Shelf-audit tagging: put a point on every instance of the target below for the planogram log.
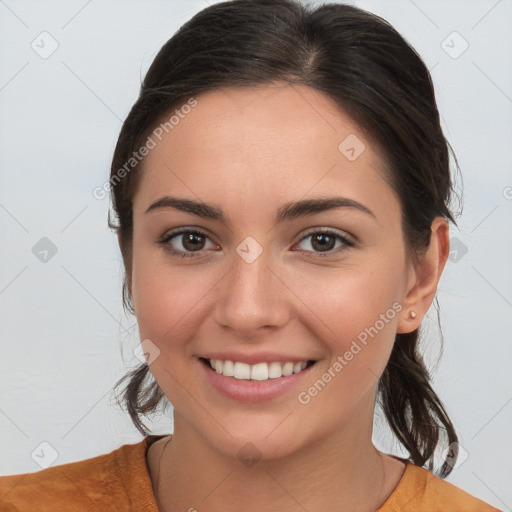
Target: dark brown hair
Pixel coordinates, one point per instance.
(361, 62)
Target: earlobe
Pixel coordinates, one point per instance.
(424, 277)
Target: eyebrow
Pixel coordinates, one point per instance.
(287, 212)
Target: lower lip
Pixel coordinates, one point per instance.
(252, 390)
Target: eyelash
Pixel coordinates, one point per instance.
(164, 241)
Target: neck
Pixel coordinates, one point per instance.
(345, 465)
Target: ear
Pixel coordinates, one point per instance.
(423, 277)
(127, 265)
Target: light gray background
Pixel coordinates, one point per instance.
(64, 337)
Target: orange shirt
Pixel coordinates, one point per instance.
(120, 481)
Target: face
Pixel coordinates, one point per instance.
(254, 280)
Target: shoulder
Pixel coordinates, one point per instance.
(118, 480)
(420, 490)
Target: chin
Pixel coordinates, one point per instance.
(251, 440)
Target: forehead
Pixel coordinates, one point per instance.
(262, 142)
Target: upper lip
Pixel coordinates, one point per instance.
(254, 358)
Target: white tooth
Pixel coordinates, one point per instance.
(241, 371)
(259, 371)
(287, 369)
(274, 370)
(227, 371)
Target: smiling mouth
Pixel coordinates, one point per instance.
(259, 371)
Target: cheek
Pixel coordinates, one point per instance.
(358, 326)
(165, 298)
(348, 300)
(355, 314)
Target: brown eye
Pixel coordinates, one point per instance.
(324, 243)
(186, 242)
(193, 241)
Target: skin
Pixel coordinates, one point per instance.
(248, 151)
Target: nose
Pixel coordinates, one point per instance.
(252, 299)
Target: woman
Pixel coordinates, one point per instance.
(281, 189)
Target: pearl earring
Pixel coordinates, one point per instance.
(412, 314)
